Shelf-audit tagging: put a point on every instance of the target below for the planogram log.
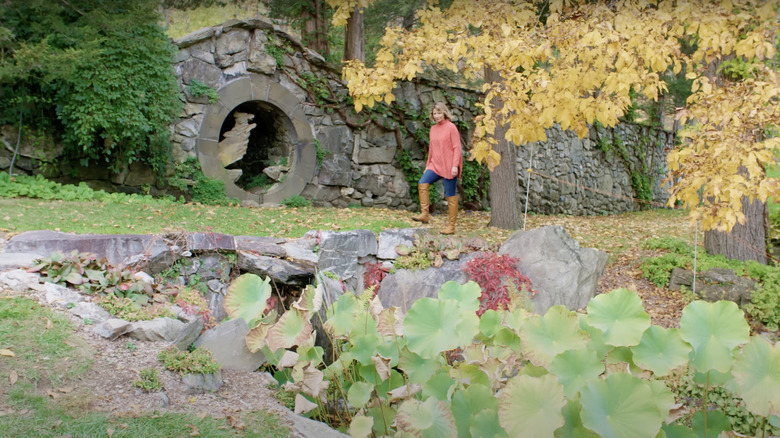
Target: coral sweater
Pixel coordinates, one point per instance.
(444, 150)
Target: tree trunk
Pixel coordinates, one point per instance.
(353, 37)
(744, 242)
(505, 211)
(315, 27)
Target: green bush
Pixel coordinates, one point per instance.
(149, 380)
(198, 89)
(197, 361)
(296, 202)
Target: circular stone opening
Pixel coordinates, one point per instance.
(255, 146)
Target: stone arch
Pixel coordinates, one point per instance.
(267, 99)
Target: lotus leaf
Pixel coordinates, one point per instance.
(545, 337)
(247, 297)
(531, 406)
(620, 315)
(661, 350)
(714, 330)
(757, 374)
(575, 368)
(433, 326)
(622, 406)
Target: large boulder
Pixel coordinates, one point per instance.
(560, 271)
(227, 345)
(402, 288)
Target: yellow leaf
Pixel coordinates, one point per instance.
(7, 353)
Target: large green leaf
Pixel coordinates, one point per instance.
(757, 374)
(429, 419)
(342, 315)
(573, 427)
(575, 368)
(247, 297)
(359, 394)
(467, 295)
(545, 337)
(485, 425)
(468, 402)
(620, 315)
(622, 406)
(531, 406)
(661, 350)
(293, 328)
(490, 322)
(439, 386)
(361, 426)
(432, 326)
(364, 347)
(715, 423)
(714, 330)
(417, 368)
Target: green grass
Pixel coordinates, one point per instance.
(146, 217)
(47, 354)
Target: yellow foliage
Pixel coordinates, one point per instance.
(580, 66)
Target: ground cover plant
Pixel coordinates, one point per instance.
(40, 395)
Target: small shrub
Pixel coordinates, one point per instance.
(296, 201)
(489, 271)
(197, 361)
(198, 89)
(148, 380)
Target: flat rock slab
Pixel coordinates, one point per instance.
(115, 248)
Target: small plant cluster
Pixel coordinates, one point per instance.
(197, 361)
(193, 303)
(764, 307)
(296, 201)
(93, 276)
(373, 275)
(198, 88)
(148, 380)
(427, 251)
(190, 179)
(491, 272)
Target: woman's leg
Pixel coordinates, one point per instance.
(451, 193)
(429, 177)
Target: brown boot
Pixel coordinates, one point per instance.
(452, 214)
(423, 217)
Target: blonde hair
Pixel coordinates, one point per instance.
(443, 107)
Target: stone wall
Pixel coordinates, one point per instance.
(313, 144)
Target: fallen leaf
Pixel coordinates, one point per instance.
(13, 377)
(6, 352)
(49, 324)
(110, 432)
(66, 389)
(52, 394)
(195, 431)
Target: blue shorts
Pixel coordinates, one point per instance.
(450, 185)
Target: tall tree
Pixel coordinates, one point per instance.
(349, 13)
(309, 17)
(99, 72)
(574, 64)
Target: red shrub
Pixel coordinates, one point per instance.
(489, 271)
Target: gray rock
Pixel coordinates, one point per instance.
(306, 427)
(61, 296)
(267, 246)
(280, 271)
(18, 280)
(158, 329)
(227, 345)
(402, 288)
(560, 271)
(199, 242)
(340, 250)
(715, 284)
(189, 333)
(302, 251)
(389, 239)
(200, 383)
(112, 328)
(14, 260)
(90, 312)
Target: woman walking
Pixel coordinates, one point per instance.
(445, 160)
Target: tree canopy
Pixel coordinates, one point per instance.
(98, 71)
(574, 65)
